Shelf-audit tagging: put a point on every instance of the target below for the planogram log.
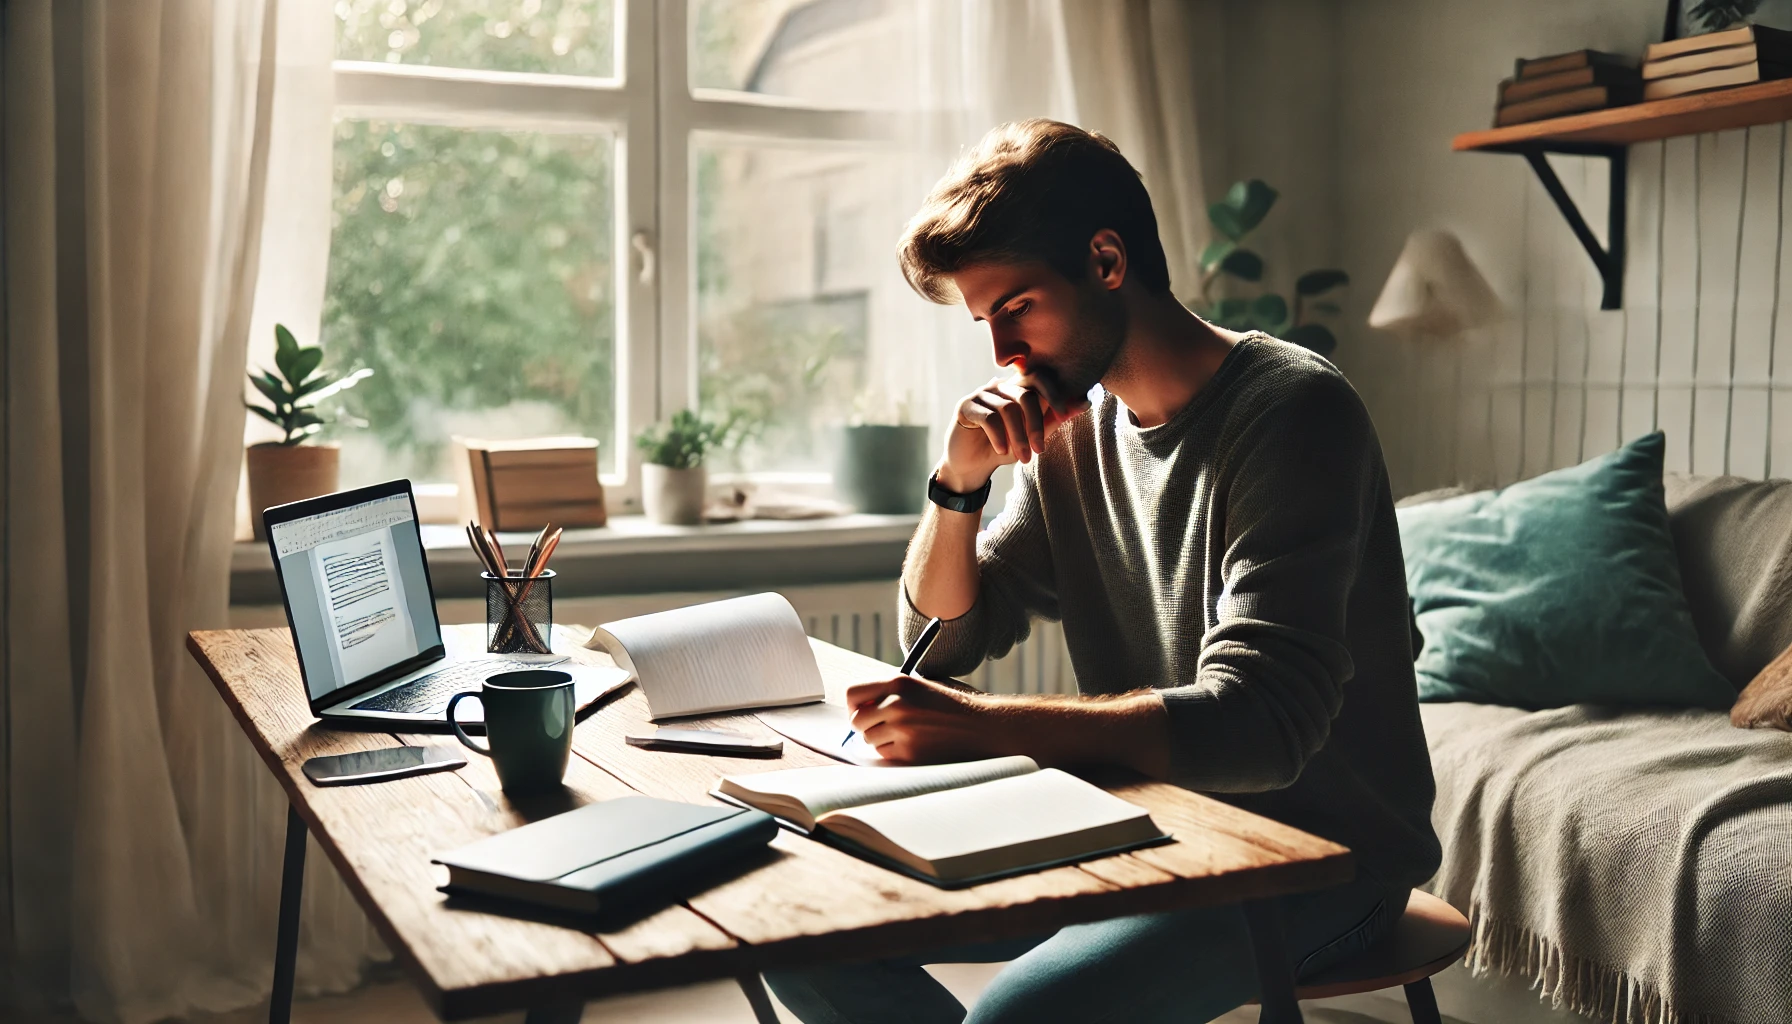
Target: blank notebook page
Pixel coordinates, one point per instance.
(1003, 813)
(748, 652)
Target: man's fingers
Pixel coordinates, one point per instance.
(979, 410)
(861, 695)
(1014, 423)
(1035, 419)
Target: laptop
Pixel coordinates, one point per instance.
(363, 615)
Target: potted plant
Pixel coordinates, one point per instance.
(882, 463)
(1233, 218)
(291, 469)
(673, 475)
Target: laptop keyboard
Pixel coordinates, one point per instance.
(428, 694)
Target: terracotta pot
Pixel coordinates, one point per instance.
(673, 496)
(284, 473)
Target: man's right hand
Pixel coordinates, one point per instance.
(1002, 422)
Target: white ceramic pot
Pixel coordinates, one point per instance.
(673, 496)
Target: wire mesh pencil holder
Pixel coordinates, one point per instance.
(519, 613)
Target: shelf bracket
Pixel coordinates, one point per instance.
(1608, 259)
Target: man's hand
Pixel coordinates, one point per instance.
(1004, 421)
(919, 721)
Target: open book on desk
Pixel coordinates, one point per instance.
(952, 824)
(747, 652)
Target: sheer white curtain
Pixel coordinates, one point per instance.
(142, 837)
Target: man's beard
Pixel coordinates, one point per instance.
(1093, 346)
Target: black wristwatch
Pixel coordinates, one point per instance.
(954, 501)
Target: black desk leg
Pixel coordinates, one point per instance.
(758, 998)
(286, 941)
(1275, 973)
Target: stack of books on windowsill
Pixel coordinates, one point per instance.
(1716, 60)
(1566, 83)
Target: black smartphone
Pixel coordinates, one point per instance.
(707, 741)
(380, 765)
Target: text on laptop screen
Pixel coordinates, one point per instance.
(359, 594)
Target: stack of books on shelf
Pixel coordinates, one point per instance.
(1566, 83)
(1716, 60)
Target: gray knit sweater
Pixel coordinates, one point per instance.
(1243, 560)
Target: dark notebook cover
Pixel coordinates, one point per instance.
(626, 852)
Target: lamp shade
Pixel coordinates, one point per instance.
(1435, 289)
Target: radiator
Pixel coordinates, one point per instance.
(857, 616)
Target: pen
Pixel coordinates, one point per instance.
(929, 633)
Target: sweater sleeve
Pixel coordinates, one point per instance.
(1299, 494)
(1015, 582)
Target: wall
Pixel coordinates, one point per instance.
(1702, 347)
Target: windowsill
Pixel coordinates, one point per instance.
(635, 556)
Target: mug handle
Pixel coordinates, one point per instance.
(461, 734)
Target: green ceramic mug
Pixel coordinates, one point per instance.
(528, 727)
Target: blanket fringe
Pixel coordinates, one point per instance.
(1594, 990)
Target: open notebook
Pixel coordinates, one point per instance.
(747, 652)
(953, 824)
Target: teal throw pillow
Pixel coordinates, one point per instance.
(1562, 589)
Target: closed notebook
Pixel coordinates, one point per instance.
(628, 852)
(954, 824)
(746, 652)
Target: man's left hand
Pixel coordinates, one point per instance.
(919, 721)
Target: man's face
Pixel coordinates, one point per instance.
(1061, 334)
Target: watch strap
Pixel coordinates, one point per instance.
(955, 502)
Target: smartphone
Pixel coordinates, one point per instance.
(380, 765)
(707, 741)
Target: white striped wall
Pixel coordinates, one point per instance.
(1702, 348)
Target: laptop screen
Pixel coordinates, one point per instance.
(357, 589)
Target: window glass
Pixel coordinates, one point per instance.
(834, 53)
(568, 37)
(795, 274)
(472, 271)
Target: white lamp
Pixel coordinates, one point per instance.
(1435, 290)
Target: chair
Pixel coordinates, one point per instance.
(1429, 937)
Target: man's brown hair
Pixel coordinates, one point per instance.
(1032, 190)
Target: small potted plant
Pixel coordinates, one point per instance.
(291, 469)
(883, 458)
(1233, 218)
(673, 474)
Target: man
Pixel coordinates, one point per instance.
(1217, 536)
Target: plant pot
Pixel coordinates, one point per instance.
(673, 496)
(280, 473)
(883, 468)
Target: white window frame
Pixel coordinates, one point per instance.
(654, 115)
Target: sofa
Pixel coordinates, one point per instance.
(1635, 865)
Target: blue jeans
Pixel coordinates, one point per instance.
(1184, 966)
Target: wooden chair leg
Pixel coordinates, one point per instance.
(1421, 1002)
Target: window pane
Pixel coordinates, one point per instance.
(568, 37)
(836, 53)
(795, 274)
(472, 271)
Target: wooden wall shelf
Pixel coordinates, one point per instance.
(1610, 133)
(1761, 103)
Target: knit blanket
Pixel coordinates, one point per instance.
(1633, 866)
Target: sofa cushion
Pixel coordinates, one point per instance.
(1734, 540)
(1557, 590)
(1766, 703)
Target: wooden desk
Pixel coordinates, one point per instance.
(805, 904)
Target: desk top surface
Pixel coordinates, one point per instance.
(805, 903)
